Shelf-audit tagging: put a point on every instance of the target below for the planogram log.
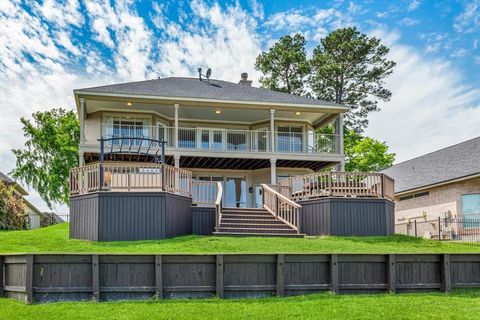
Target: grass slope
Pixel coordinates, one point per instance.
(55, 239)
(458, 305)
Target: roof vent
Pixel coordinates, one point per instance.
(244, 79)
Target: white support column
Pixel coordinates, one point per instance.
(176, 124)
(339, 140)
(81, 120)
(176, 158)
(273, 171)
(272, 130)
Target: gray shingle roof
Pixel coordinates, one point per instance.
(211, 89)
(6, 179)
(457, 161)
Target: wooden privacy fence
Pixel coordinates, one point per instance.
(130, 176)
(338, 184)
(41, 277)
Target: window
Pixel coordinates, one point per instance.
(470, 207)
(414, 195)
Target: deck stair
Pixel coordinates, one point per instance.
(252, 222)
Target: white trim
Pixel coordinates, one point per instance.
(339, 108)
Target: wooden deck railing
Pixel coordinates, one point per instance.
(338, 184)
(204, 193)
(130, 176)
(218, 205)
(281, 207)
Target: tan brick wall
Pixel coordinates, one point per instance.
(440, 200)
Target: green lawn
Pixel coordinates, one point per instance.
(457, 305)
(55, 239)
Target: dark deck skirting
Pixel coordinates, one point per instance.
(119, 216)
(348, 217)
(203, 220)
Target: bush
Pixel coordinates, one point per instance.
(12, 208)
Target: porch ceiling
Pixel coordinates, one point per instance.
(234, 114)
(217, 163)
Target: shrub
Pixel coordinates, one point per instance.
(12, 208)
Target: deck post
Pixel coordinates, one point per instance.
(446, 279)
(391, 273)
(81, 120)
(334, 273)
(2, 292)
(339, 141)
(219, 276)
(100, 168)
(176, 106)
(158, 277)
(29, 278)
(95, 278)
(272, 130)
(280, 287)
(273, 171)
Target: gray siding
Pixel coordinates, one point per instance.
(115, 216)
(79, 277)
(348, 217)
(203, 220)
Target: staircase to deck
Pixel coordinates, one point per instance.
(252, 222)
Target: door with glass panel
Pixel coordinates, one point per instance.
(260, 140)
(289, 139)
(235, 192)
(211, 139)
(127, 128)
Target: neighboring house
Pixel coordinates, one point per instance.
(33, 214)
(224, 143)
(443, 183)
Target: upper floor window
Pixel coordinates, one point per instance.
(289, 138)
(128, 127)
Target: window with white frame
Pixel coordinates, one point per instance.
(470, 208)
(127, 127)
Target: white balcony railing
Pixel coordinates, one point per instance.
(214, 138)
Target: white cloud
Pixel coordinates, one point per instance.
(431, 106)
(469, 19)
(413, 5)
(409, 22)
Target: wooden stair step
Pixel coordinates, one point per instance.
(258, 229)
(257, 234)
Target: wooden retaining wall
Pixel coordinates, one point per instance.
(76, 277)
(203, 220)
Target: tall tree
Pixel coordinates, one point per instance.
(285, 65)
(50, 151)
(350, 68)
(365, 154)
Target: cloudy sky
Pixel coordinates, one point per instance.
(48, 48)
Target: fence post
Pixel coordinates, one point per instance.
(29, 278)
(158, 277)
(415, 228)
(383, 185)
(446, 279)
(280, 290)
(439, 230)
(219, 277)
(334, 273)
(2, 292)
(95, 278)
(391, 273)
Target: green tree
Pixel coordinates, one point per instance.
(365, 154)
(12, 208)
(285, 65)
(348, 67)
(50, 151)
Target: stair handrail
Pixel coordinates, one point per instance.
(218, 205)
(282, 208)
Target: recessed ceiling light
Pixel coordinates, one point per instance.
(218, 112)
(298, 113)
(129, 104)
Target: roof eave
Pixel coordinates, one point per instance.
(335, 108)
(437, 184)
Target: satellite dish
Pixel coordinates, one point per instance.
(209, 73)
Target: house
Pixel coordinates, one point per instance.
(33, 214)
(213, 142)
(440, 184)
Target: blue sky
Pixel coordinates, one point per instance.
(49, 48)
